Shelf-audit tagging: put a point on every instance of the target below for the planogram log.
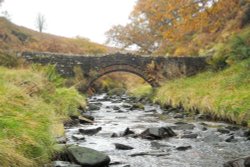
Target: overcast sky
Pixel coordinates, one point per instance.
(86, 18)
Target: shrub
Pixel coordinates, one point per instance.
(236, 49)
(10, 59)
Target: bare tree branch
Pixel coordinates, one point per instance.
(40, 22)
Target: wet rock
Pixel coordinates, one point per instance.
(230, 138)
(71, 123)
(116, 101)
(232, 128)
(124, 117)
(64, 164)
(212, 138)
(127, 132)
(178, 115)
(88, 116)
(247, 162)
(98, 103)
(82, 109)
(152, 110)
(156, 154)
(203, 116)
(223, 131)
(157, 133)
(115, 163)
(90, 131)
(92, 107)
(121, 111)
(204, 128)
(84, 120)
(247, 133)
(87, 157)
(123, 147)
(183, 147)
(73, 117)
(137, 106)
(190, 136)
(61, 140)
(126, 106)
(114, 135)
(240, 162)
(158, 145)
(78, 137)
(203, 124)
(116, 108)
(183, 126)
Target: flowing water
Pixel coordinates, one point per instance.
(209, 149)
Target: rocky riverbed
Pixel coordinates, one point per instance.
(133, 134)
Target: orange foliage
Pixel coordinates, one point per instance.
(165, 24)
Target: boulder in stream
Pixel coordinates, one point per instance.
(137, 106)
(183, 147)
(223, 130)
(126, 106)
(128, 132)
(240, 162)
(64, 164)
(230, 139)
(87, 157)
(116, 108)
(61, 140)
(78, 137)
(88, 116)
(71, 123)
(92, 106)
(183, 126)
(178, 115)
(123, 147)
(157, 133)
(90, 131)
(190, 136)
(84, 120)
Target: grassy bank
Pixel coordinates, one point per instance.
(33, 104)
(224, 94)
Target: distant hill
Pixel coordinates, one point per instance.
(18, 38)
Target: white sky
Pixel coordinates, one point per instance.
(86, 18)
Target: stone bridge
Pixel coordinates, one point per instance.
(151, 69)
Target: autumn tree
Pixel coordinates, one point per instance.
(164, 22)
(136, 34)
(40, 22)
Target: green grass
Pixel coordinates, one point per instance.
(141, 91)
(31, 107)
(224, 94)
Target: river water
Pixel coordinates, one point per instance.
(208, 149)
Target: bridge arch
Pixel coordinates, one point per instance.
(122, 68)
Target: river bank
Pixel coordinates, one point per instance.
(132, 134)
(33, 105)
(222, 94)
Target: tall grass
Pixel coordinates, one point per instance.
(31, 103)
(225, 94)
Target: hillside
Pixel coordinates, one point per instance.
(18, 38)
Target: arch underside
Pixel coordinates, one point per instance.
(123, 68)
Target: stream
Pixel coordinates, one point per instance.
(197, 143)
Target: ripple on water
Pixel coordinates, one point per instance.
(208, 150)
